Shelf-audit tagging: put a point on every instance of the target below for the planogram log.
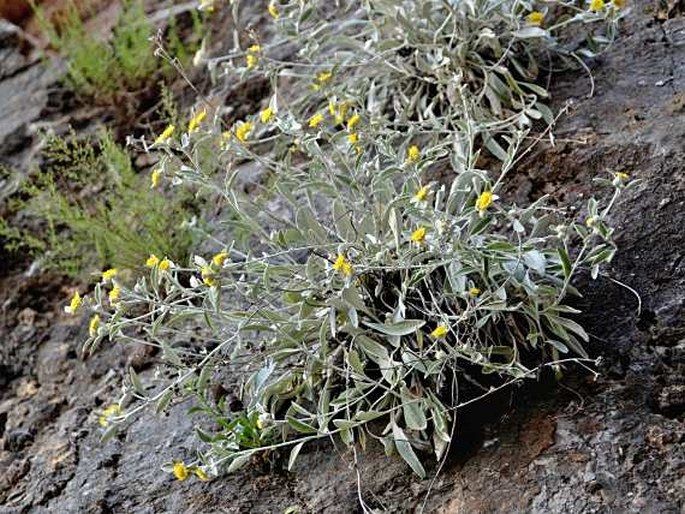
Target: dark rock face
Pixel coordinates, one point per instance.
(615, 444)
(23, 95)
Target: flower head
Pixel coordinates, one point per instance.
(421, 194)
(596, 5)
(252, 57)
(413, 153)
(155, 177)
(93, 325)
(114, 294)
(419, 235)
(195, 121)
(165, 135)
(251, 61)
(180, 470)
(324, 76)
(152, 261)
(474, 291)
(74, 304)
(165, 264)
(207, 5)
(342, 113)
(273, 10)
(266, 115)
(243, 130)
(342, 265)
(621, 176)
(353, 138)
(220, 258)
(535, 18)
(353, 122)
(208, 276)
(316, 120)
(109, 274)
(440, 331)
(484, 201)
(110, 412)
(199, 472)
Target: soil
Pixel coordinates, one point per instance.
(615, 444)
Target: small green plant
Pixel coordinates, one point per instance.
(126, 62)
(97, 67)
(95, 211)
(353, 293)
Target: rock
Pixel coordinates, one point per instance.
(23, 95)
(17, 440)
(13, 49)
(672, 400)
(614, 451)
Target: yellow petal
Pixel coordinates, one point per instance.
(180, 470)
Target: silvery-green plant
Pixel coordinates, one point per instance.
(351, 292)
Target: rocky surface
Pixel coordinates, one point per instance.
(615, 444)
(24, 83)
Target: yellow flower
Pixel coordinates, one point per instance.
(114, 294)
(251, 60)
(226, 135)
(331, 107)
(474, 291)
(266, 115)
(418, 235)
(242, 131)
(623, 177)
(165, 135)
(596, 5)
(180, 470)
(208, 277)
(74, 304)
(316, 120)
(484, 201)
(342, 112)
(200, 474)
(342, 265)
(352, 122)
(195, 121)
(207, 5)
(440, 331)
(109, 274)
(220, 258)
(591, 221)
(165, 264)
(536, 18)
(273, 11)
(94, 325)
(421, 194)
(252, 57)
(152, 261)
(155, 177)
(110, 412)
(413, 153)
(324, 76)
(353, 138)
